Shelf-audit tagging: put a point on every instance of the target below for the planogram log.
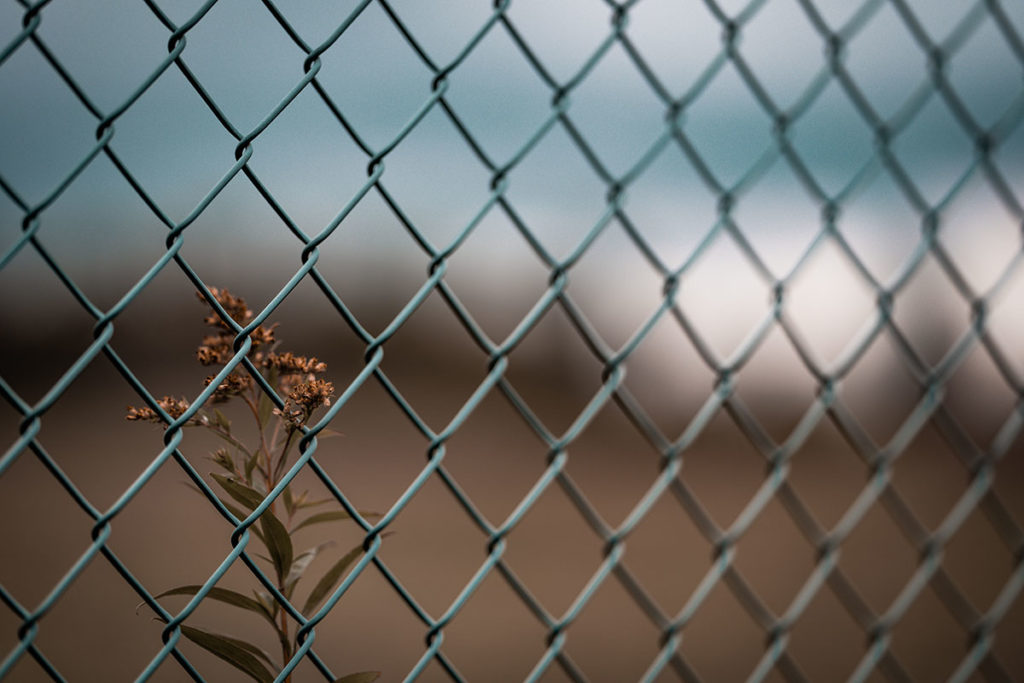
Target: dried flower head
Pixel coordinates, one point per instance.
(235, 307)
(218, 348)
(249, 473)
(233, 385)
(304, 398)
(287, 382)
(174, 407)
(215, 350)
(290, 414)
(312, 394)
(288, 363)
(262, 336)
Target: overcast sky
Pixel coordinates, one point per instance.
(177, 150)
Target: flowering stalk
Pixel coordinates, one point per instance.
(248, 473)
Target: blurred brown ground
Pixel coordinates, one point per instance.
(168, 536)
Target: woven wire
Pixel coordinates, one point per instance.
(979, 460)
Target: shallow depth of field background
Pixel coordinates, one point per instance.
(105, 239)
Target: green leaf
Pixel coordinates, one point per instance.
(267, 602)
(249, 497)
(236, 511)
(289, 502)
(223, 458)
(250, 465)
(223, 595)
(361, 677)
(222, 421)
(278, 542)
(302, 503)
(332, 516)
(238, 653)
(299, 566)
(265, 558)
(330, 580)
(266, 404)
(240, 515)
(275, 536)
(322, 517)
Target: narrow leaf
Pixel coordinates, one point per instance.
(278, 542)
(289, 501)
(236, 511)
(322, 517)
(249, 647)
(223, 458)
(224, 595)
(328, 433)
(222, 421)
(238, 653)
(250, 465)
(330, 579)
(239, 514)
(299, 566)
(267, 602)
(249, 497)
(302, 503)
(361, 677)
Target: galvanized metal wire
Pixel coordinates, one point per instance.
(979, 460)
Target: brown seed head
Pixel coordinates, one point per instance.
(288, 363)
(174, 407)
(233, 385)
(290, 414)
(304, 398)
(218, 348)
(263, 336)
(312, 394)
(215, 350)
(235, 307)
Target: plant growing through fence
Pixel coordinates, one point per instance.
(249, 472)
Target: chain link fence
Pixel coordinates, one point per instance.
(726, 168)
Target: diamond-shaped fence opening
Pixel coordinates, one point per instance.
(790, 232)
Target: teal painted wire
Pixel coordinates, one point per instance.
(104, 332)
(612, 387)
(31, 222)
(172, 631)
(28, 29)
(308, 264)
(97, 532)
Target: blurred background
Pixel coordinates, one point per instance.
(644, 150)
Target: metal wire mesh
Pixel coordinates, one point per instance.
(980, 624)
